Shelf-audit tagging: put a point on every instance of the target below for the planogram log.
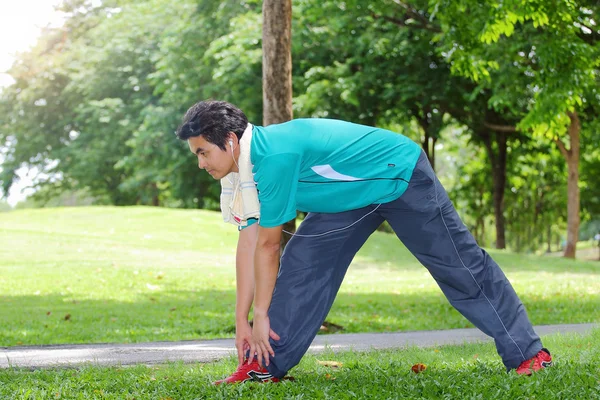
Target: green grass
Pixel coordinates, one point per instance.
(108, 274)
(587, 244)
(453, 372)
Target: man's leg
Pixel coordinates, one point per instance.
(425, 220)
(311, 272)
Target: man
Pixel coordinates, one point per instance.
(349, 178)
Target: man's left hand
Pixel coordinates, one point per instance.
(261, 331)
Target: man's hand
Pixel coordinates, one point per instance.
(259, 345)
(243, 337)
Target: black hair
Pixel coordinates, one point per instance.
(214, 120)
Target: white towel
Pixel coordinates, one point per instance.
(239, 198)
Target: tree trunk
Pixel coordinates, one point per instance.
(480, 222)
(277, 71)
(529, 236)
(571, 155)
(498, 163)
(429, 141)
(482, 243)
(432, 157)
(428, 146)
(425, 145)
(155, 192)
(277, 61)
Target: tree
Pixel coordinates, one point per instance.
(78, 98)
(102, 95)
(277, 70)
(213, 51)
(548, 50)
(381, 64)
(96, 102)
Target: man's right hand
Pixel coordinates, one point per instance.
(243, 335)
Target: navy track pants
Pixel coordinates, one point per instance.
(313, 266)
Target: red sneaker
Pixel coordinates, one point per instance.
(541, 360)
(249, 372)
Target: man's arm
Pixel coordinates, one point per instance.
(266, 266)
(244, 271)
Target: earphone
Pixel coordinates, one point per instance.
(233, 155)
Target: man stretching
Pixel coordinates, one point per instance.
(349, 178)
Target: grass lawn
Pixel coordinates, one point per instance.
(134, 274)
(453, 372)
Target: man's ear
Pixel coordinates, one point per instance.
(232, 140)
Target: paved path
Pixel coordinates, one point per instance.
(210, 350)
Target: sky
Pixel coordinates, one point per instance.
(21, 22)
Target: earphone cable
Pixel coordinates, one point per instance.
(338, 229)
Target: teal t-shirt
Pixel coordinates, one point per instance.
(328, 166)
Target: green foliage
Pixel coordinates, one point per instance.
(548, 50)
(212, 51)
(85, 99)
(361, 67)
(472, 190)
(590, 163)
(535, 211)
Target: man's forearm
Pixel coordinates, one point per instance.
(244, 272)
(266, 266)
(244, 289)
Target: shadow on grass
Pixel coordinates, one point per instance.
(175, 315)
(208, 314)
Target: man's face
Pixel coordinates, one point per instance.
(216, 162)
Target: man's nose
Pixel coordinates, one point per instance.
(201, 163)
